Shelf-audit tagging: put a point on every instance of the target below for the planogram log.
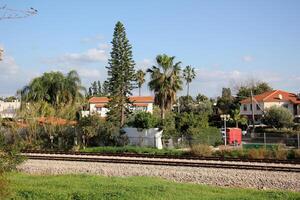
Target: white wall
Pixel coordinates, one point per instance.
(146, 137)
(9, 109)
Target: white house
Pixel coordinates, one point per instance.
(9, 109)
(143, 103)
(265, 100)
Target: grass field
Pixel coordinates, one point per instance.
(96, 187)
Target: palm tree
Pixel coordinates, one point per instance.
(189, 74)
(238, 118)
(140, 78)
(165, 81)
(53, 88)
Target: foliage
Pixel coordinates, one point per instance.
(257, 88)
(238, 118)
(278, 117)
(83, 187)
(226, 103)
(201, 150)
(144, 120)
(9, 159)
(121, 76)
(134, 149)
(90, 125)
(165, 82)
(54, 88)
(169, 126)
(188, 124)
(140, 79)
(189, 74)
(207, 135)
(96, 89)
(202, 105)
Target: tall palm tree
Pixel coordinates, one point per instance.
(165, 81)
(140, 79)
(189, 74)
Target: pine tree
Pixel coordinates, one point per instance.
(121, 76)
(94, 88)
(99, 92)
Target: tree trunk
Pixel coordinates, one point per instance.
(188, 89)
(139, 91)
(162, 109)
(236, 124)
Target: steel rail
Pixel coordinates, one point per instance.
(138, 155)
(167, 163)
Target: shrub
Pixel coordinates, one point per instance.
(144, 120)
(260, 153)
(201, 150)
(209, 135)
(297, 153)
(278, 117)
(281, 154)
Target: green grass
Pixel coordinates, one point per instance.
(110, 188)
(133, 149)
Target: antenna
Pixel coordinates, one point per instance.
(8, 13)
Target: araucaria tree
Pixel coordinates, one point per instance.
(121, 76)
(189, 74)
(165, 82)
(140, 79)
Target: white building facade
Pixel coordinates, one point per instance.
(266, 100)
(143, 103)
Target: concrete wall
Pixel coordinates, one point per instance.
(145, 138)
(9, 109)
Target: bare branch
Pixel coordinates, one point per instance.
(8, 13)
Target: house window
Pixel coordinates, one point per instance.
(245, 107)
(257, 107)
(99, 109)
(286, 106)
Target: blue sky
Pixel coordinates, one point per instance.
(228, 41)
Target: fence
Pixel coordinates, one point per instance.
(269, 139)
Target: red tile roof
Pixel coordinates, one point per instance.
(135, 99)
(274, 96)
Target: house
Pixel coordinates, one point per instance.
(265, 100)
(9, 109)
(143, 103)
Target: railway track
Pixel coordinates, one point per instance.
(165, 163)
(137, 155)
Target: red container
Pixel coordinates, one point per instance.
(234, 136)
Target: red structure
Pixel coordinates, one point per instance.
(234, 136)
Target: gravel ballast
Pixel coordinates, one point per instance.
(211, 176)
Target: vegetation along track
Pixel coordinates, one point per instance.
(184, 157)
(166, 163)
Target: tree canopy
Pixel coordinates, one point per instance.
(54, 88)
(165, 82)
(121, 76)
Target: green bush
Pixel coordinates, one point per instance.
(278, 117)
(208, 135)
(144, 120)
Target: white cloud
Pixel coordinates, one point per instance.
(8, 66)
(247, 58)
(88, 56)
(144, 64)
(92, 39)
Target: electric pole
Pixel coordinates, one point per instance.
(253, 117)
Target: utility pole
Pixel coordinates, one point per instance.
(1, 53)
(253, 117)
